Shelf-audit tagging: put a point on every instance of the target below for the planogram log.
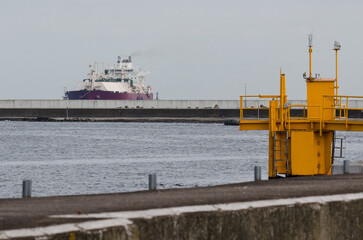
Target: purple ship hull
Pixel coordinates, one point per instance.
(106, 95)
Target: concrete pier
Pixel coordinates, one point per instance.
(320, 207)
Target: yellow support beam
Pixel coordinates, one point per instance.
(254, 125)
(342, 125)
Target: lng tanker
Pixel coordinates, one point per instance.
(122, 81)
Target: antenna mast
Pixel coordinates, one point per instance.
(310, 77)
(310, 37)
(336, 49)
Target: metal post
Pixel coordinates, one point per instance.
(245, 95)
(346, 166)
(152, 181)
(27, 188)
(257, 173)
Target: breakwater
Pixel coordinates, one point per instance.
(121, 110)
(45, 114)
(109, 104)
(118, 110)
(141, 114)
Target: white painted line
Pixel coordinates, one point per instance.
(124, 219)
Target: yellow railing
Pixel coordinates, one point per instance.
(325, 112)
(305, 117)
(340, 107)
(305, 110)
(254, 96)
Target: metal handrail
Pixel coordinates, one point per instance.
(342, 107)
(254, 96)
(289, 118)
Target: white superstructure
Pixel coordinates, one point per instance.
(121, 77)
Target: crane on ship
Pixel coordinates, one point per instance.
(304, 144)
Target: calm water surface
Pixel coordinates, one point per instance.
(65, 158)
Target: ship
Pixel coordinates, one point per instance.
(120, 81)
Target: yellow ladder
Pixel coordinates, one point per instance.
(281, 153)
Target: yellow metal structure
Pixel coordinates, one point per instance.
(303, 145)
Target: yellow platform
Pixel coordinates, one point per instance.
(303, 145)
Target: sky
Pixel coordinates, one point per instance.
(194, 49)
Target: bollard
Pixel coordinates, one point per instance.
(257, 173)
(152, 181)
(346, 166)
(27, 188)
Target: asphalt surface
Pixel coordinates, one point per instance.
(34, 212)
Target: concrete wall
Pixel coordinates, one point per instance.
(225, 104)
(138, 113)
(320, 217)
(312, 221)
(115, 113)
(125, 113)
(146, 109)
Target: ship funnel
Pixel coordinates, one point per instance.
(129, 58)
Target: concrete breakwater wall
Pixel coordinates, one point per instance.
(107, 104)
(320, 217)
(175, 104)
(142, 113)
(73, 109)
(45, 114)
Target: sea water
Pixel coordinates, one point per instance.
(66, 158)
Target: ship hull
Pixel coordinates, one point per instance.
(106, 95)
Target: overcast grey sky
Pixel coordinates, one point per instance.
(194, 49)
